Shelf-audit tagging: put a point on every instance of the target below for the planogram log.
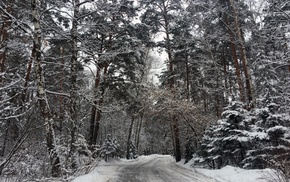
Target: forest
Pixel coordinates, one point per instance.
(76, 84)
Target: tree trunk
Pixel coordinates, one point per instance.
(224, 61)
(27, 77)
(96, 112)
(93, 127)
(61, 99)
(129, 138)
(139, 127)
(235, 58)
(41, 95)
(218, 99)
(187, 78)
(175, 128)
(5, 140)
(247, 71)
(73, 86)
(136, 131)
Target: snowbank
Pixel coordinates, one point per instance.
(91, 177)
(231, 174)
(234, 174)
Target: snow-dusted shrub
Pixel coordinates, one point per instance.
(110, 147)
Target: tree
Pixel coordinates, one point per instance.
(116, 30)
(159, 14)
(243, 53)
(273, 148)
(41, 94)
(272, 52)
(74, 73)
(110, 147)
(227, 142)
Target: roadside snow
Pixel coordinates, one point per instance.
(234, 174)
(231, 174)
(93, 176)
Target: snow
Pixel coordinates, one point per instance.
(231, 174)
(109, 170)
(234, 174)
(93, 176)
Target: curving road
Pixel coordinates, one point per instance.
(155, 168)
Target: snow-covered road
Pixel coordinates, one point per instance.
(154, 168)
(162, 168)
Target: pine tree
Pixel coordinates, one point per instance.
(110, 147)
(272, 55)
(119, 44)
(227, 142)
(273, 147)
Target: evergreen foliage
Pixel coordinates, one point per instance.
(255, 139)
(110, 148)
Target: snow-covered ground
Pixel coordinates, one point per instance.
(232, 174)
(110, 171)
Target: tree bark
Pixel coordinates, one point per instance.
(27, 77)
(218, 99)
(139, 127)
(177, 147)
(235, 58)
(93, 127)
(96, 112)
(247, 71)
(5, 140)
(73, 86)
(224, 61)
(41, 94)
(187, 78)
(129, 137)
(61, 98)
